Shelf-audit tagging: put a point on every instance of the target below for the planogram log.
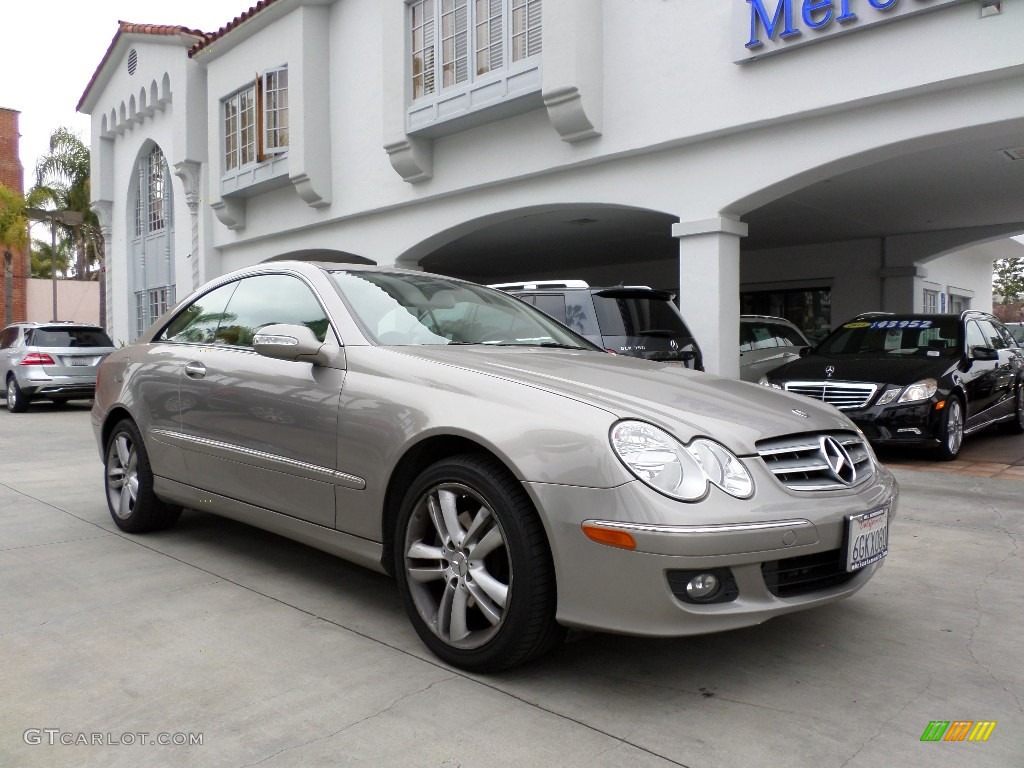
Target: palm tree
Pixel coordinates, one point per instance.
(63, 176)
(42, 258)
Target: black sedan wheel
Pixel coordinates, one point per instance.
(129, 484)
(474, 566)
(952, 433)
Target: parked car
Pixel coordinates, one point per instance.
(767, 342)
(513, 477)
(915, 379)
(627, 320)
(50, 361)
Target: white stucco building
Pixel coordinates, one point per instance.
(810, 157)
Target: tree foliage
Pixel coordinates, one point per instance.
(13, 225)
(1008, 280)
(62, 176)
(42, 258)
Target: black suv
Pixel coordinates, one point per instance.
(627, 320)
(915, 379)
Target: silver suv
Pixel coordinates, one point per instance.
(629, 320)
(766, 343)
(52, 361)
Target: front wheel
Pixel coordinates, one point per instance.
(474, 567)
(128, 478)
(951, 435)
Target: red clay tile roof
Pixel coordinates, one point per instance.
(128, 28)
(209, 38)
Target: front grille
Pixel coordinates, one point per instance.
(801, 462)
(796, 576)
(841, 394)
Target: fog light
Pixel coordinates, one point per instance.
(703, 586)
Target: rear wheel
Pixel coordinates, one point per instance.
(951, 435)
(474, 566)
(1016, 426)
(129, 484)
(17, 401)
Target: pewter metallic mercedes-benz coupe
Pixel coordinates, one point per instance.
(515, 479)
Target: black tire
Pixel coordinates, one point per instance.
(1016, 426)
(128, 482)
(483, 597)
(17, 401)
(951, 434)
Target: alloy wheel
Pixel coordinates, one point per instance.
(457, 565)
(954, 426)
(122, 475)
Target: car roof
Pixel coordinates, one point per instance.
(773, 318)
(53, 324)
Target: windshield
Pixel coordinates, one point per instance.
(896, 336)
(399, 309)
(69, 337)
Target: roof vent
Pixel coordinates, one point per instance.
(133, 61)
(1013, 153)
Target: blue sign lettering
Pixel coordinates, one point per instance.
(773, 26)
(811, 7)
(783, 14)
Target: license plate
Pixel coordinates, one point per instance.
(867, 538)
(81, 361)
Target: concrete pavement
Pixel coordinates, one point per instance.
(278, 655)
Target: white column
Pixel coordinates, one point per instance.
(104, 210)
(709, 288)
(190, 173)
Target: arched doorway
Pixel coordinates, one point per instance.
(150, 239)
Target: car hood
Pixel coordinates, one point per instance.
(686, 403)
(889, 369)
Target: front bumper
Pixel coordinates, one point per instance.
(631, 591)
(900, 424)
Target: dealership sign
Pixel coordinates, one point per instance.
(768, 27)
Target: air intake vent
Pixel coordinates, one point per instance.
(133, 61)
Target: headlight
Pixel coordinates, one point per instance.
(920, 390)
(763, 381)
(680, 471)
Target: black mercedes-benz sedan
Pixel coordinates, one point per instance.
(915, 379)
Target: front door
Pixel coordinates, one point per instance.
(254, 429)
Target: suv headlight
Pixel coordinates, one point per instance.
(920, 390)
(764, 382)
(680, 471)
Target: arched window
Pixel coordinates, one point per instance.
(152, 240)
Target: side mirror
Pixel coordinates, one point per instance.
(984, 353)
(805, 351)
(296, 343)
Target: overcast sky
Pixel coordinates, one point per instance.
(52, 48)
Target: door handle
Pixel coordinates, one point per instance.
(195, 370)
